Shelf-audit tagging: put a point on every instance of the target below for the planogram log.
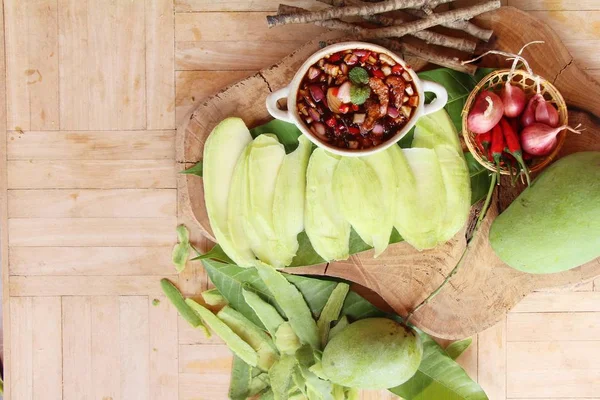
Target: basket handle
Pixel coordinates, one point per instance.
(272, 107)
(441, 97)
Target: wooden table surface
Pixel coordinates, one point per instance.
(94, 90)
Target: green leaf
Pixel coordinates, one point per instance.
(480, 178)
(175, 297)
(455, 349)
(359, 75)
(195, 170)
(239, 388)
(216, 253)
(359, 94)
(286, 132)
(439, 377)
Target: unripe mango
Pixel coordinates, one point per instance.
(373, 353)
(554, 225)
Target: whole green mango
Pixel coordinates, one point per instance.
(373, 353)
(554, 225)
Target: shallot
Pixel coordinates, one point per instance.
(540, 139)
(545, 113)
(528, 116)
(316, 92)
(344, 92)
(486, 113)
(513, 98)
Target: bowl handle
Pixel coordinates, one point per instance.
(272, 107)
(441, 97)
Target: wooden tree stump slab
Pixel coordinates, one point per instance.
(485, 288)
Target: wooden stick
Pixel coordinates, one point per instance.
(425, 35)
(432, 20)
(460, 25)
(332, 13)
(429, 37)
(427, 54)
(394, 45)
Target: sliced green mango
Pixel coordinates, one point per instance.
(435, 129)
(331, 311)
(237, 208)
(421, 207)
(239, 386)
(352, 393)
(176, 298)
(181, 251)
(457, 183)
(292, 303)
(221, 153)
(286, 340)
(267, 314)
(235, 343)
(251, 334)
(264, 161)
(280, 376)
(288, 201)
(360, 193)
(258, 384)
(321, 388)
(337, 328)
(214, 298)
(326, 227)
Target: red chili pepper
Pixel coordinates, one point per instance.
(513, 146)
(355, 107)
(330, 121)
(397, 69)
(353, 130)
(514, 123)
(335, 57)
(364, 58)
(483, 141)
(497, 147)
(378, 73)
(344, 108)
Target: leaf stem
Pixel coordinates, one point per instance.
(480, 219)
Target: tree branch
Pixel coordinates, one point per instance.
(432, 20)
(351, 11)
(460, 25)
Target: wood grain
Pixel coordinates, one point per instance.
(91, 145)
(160, 62)
(90, 261)
(77, 348)
(32, 64)
(491, 369)
(163, 349)
(92, 203)
(134, 344)
(105, 328)
(91, 174)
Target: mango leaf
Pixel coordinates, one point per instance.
(194, 170)
(439, 377)
(455, 349)
(287, 133)
(480, 178)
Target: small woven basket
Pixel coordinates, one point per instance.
(494, 82)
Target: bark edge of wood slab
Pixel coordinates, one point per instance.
(484, 289)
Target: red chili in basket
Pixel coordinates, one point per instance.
(513, 146)
(483, 141)
(497, 148)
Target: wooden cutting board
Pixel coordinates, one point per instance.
(484, 289)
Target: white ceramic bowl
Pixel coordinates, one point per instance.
(290, 92)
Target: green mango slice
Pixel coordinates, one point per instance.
(235, 343)
(288, 201)
(251, 334)
(222, 150)
(280, 376)
(214, 298)
(286, 341)
(331, 311)
(326, 227)
(267, 314)
(292, 303)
